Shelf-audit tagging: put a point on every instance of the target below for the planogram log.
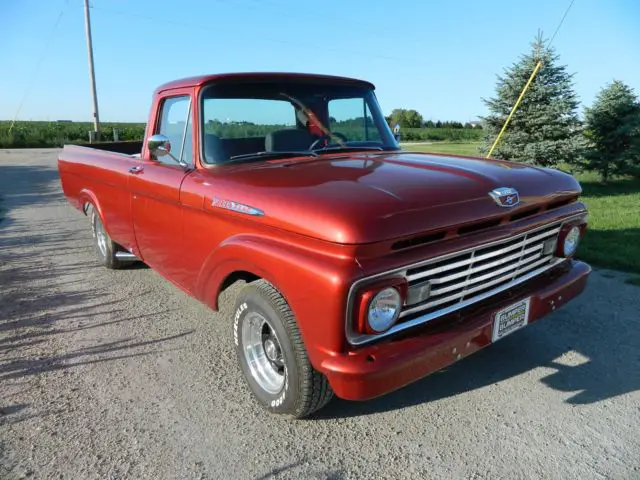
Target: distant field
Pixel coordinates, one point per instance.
(613, 238)
(55, 134)
(441, 134)
(26, 134)
(442, 147)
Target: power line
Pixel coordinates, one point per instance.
(217, 29)
(560, 24)
(526, 87)
(38, 64)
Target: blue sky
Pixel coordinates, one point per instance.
(440, 57)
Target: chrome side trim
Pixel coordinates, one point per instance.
(126, 256)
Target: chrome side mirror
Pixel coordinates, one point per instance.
(159, 145)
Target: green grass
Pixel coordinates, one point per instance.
(613, 238)
(470, 148)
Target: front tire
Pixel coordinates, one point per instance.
(272, 355)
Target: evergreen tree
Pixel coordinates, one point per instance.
(545, 129)
(613, 132)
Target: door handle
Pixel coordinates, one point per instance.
(136, 169)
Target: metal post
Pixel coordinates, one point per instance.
(87, 24)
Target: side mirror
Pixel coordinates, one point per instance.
(159, 145)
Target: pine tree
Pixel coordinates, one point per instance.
(613, 131)
(545, 129)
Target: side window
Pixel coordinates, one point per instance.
(352, 118)
(175, 124)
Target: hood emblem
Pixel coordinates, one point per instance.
(236, 207)
(505, 196)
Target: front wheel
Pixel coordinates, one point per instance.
(272, 355)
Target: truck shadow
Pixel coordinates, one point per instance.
(590, 347)
(30, 185)
(21, 367)
(47, 289)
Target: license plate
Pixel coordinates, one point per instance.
(510, 319)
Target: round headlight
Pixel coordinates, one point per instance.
(571, 242)
(384, 309)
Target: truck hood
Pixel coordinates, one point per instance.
(364, 198)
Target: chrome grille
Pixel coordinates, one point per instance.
(469, 276)
(446, 284)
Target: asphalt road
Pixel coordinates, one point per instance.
(118, 374)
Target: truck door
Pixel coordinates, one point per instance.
(155, 191)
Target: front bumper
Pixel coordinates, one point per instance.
(391, 364)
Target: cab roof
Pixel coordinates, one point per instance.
(243, 76)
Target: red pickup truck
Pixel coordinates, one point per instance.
(367, 267)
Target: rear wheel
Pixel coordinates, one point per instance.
(105, 247)
(272, 355)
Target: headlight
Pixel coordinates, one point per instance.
(384, 309)
(571, 242)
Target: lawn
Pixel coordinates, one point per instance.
(445, 147)
(613, 238)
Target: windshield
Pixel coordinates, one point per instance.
(267, 120)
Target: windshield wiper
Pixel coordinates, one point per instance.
(265, 154)
(339, 148)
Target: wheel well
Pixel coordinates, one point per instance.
(237, 276)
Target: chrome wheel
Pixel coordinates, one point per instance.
(263, 353)
(101, 237)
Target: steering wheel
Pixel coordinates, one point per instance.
(327, 137)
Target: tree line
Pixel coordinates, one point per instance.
(546, 129)
(409, 118)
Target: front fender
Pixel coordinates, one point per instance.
(313, 282)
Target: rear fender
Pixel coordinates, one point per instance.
(88, 200)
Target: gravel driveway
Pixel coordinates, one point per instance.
(118, 374)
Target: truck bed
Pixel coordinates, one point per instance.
(124, 147)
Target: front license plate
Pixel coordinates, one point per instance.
(510, 319)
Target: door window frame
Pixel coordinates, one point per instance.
(189, 118)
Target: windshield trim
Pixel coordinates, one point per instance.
(388, 140)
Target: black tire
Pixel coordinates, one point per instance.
(305, 390)
(107, 257)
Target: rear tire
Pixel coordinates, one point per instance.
(105, 247)
(272, 355)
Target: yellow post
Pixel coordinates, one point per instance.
(524, 90)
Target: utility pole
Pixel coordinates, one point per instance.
(96, 118)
